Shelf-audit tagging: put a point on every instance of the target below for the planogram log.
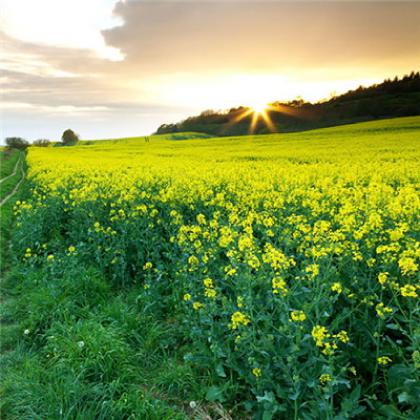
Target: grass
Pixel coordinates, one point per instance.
(8, 159)
(93, 333)
(8, 185)
(98, 355)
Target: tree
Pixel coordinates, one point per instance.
(17, 143)
(69, 138)
(41, 143)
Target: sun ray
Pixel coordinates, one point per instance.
(261, 111)
(266, 117)
(254, 121)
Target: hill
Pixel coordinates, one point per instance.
(163, 141)
(392, 98)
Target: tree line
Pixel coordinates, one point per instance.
(69, 138)
(396, 97)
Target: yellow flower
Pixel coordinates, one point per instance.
(230, 272)
(328, 349)
(210, 293)
(343, 336)
(381, 310)
(254, 262)
(408, 291)
(383, 277)
(201, 219)
(208, 282)
(187, 297)
(50, 257)
(298, 316)
(312, 271)
(71, 249)
(279, 285)
(395, 235)
(193, 260)
(257, 372)
(319, 334)
(384, 360)
(147, 266)
(237, 319)
(197, 305)
(407, 265)
(325, 378)
(337, 287)
(244, 243)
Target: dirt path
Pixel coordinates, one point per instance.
(13, 192)
(14, 169)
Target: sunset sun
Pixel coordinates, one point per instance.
(259, 107)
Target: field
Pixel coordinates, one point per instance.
(271, 276)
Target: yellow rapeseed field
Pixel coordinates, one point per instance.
(290, 261)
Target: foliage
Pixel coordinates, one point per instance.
(17, 143)
(42, 143)
(392, 98)
(284, 269)
(69, 138)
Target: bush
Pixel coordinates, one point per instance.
(69, 138)
(17, 143)
(42, 143)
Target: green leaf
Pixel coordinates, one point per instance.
(267, 415)
(403, 397)
(268, 397)
(214, 393)
(220, 371)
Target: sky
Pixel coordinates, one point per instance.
(108, 68)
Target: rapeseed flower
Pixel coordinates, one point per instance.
(298, 316)
(237, 319)
(384, 360)
(408, 291)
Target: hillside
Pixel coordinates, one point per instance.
(166, 141)
(392, 98)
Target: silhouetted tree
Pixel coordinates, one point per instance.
(17, 143)
(394, 97)
(69, 138)
(41, 143)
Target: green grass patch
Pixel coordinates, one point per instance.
(8, 159)
(79, 350)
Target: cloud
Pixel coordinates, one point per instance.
(263, 36)
(179, 57)
(64, 23)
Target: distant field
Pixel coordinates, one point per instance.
(267, 276)
(173, 136)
